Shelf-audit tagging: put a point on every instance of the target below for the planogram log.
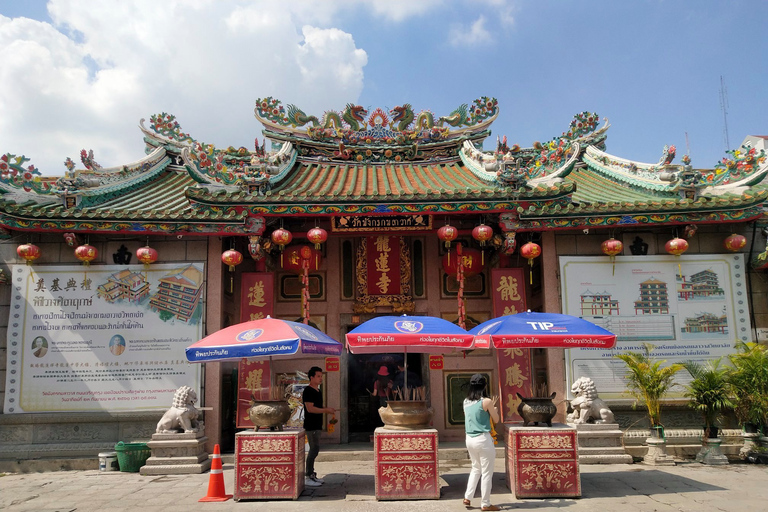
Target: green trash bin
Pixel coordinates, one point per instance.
(131, 456)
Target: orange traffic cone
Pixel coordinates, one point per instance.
(216, 490)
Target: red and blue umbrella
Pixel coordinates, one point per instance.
(542, 330)
(406, 333)
(266, 337)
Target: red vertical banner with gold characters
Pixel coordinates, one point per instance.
(253, 382)
(253, 375)
(383, 255)
(258, 290)
(508, 289)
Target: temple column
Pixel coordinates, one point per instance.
(550, 288)
(213, 371)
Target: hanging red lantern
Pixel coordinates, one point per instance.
(482, 234)
(296, 254)
(447, 234)
(735, 242)
(146, 255)
(530, 251)
(471, 260)
(317, 236)
(86, 253)
(232, 258)
(676, 247)
(612, 247)
(29, 252)
(281, 237)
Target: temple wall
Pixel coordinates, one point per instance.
(34, 441)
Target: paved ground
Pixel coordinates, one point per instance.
(350, 487)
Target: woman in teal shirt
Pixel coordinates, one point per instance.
(478, 412)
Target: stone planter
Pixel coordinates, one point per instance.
(406, 415)
(537, 410)
(270, 414)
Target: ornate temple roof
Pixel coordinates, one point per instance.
(396, 161)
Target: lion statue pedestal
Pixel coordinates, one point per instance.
(178, 444)
(600, 440)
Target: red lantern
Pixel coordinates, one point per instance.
(29, 252)
(317, 236)
(296, 254)
(471, 259)
(735, 242)
(482, 234)
(146, 255)
(447, 234)
(231, 258)
(612, 247)
(676, 246)
(281, 237)
(86, 253)
(530, 251)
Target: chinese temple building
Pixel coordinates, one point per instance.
(337, 218)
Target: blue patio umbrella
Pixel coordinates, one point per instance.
(542, 330)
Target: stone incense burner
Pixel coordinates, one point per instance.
(537, 410)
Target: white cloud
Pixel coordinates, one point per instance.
(474, 35)
(87, 84)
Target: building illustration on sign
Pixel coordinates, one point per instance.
(706, 323)
(702, 285)
(179, 293)
(654, 298)
(598, 304)
(124, 285)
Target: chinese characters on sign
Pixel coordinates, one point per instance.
(257, 289)
(508, 286)
(110, 339)
(383, 254)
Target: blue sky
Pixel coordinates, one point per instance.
(81, 74)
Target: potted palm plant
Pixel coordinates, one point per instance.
(649, 381)
(748, 381)
(708, 391)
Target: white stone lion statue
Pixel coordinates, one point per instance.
(587, 406)
(182, 416)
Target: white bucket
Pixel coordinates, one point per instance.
(108, 461)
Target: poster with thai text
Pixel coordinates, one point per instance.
(690, 308)
(101, 338)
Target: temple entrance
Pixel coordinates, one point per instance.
(364, 369)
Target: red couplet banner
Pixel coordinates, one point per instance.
(383, 261)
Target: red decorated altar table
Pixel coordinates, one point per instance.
(542, 462)
(269, 465)
(406, 464)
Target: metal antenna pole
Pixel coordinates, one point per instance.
(724, 108)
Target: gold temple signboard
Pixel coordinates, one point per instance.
(359, 224)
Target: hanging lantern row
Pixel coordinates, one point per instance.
(28, 252)
(735, 242)
(530, 251)
(281, 237)
(86, 253)
(612, 247)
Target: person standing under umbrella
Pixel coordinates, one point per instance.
(382, 386)
(478, 412)
(313, 422)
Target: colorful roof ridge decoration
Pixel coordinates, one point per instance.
(377, 162)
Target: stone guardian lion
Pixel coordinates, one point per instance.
(182, 416)
(587, 406)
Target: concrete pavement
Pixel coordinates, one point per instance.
(349, 486)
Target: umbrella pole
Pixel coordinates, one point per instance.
(405, 369)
